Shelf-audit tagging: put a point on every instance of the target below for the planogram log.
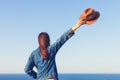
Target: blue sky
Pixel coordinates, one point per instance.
(93, 49)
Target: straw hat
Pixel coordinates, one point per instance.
(90, 16)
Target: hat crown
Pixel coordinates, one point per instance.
(90, 16)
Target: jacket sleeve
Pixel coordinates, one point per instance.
(60, 41)
(29, 67)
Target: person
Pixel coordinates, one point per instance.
(43, 58)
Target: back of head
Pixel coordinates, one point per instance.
(44, 42)
(43, 39)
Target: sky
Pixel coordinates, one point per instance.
(93, 49)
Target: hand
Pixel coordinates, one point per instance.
(79, 23)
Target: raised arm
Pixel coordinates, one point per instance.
(67, 35)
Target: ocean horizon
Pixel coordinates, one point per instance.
(65, 76)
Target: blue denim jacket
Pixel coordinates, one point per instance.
(46, 68)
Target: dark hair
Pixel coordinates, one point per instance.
(46, 38)
(44, 42)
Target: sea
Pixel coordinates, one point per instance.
(64, 77)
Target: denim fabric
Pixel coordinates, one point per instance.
(46, 68)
